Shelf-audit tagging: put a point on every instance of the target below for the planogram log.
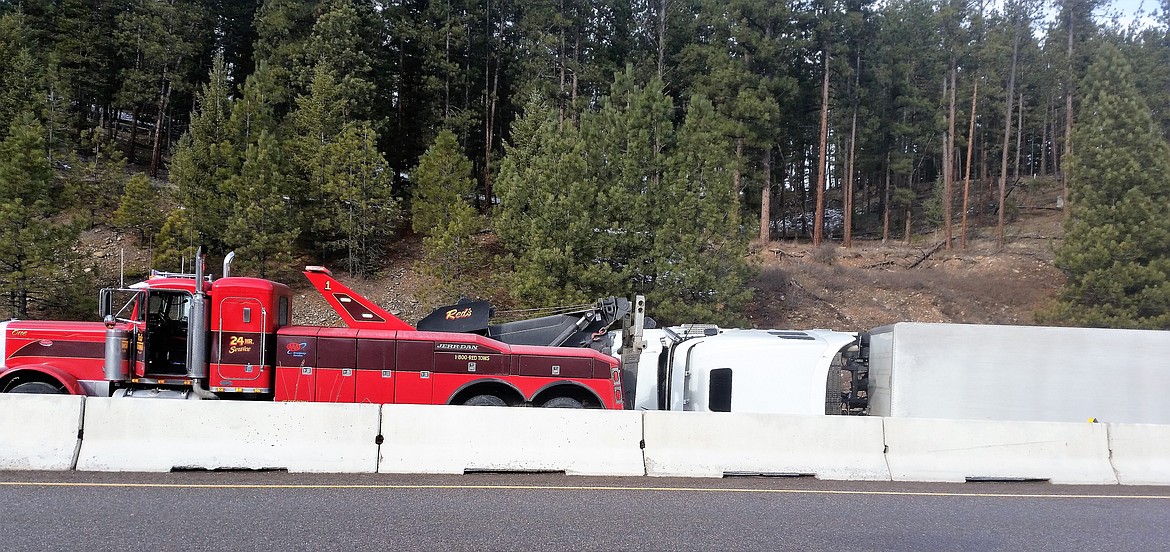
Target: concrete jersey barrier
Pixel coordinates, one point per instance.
(39, 432)
(961, 450)
(457, 439)
(1140, 453)
(157, 435)
(703, 444)
(53, 432)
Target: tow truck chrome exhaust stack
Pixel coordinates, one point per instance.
(116, 368)
(197, 366)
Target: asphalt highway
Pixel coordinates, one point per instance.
(224, 511)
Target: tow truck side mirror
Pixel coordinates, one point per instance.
(106, 304)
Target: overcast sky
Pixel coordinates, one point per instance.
(1129, 8)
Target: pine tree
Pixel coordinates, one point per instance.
(253, 112)
(57, 114)
(157, 43)
(1114, 252)
(20, 73)
(138, 209)
(365, 208)
(282, 33)
(206, 157)
(340, 38)
(700, 242)
(81, 45)
(747, 59)
(24, 168)
(628, 142)
(94, 184)
(628, 203)
(442, 182)
(444, 214)
(176, 242)
(545, 216)
(905, 78)
(261, 228)
(33, 248)
(1147, 48)
(316, 125)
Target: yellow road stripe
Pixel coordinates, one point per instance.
(566, 488)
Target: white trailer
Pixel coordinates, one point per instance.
(987, 372)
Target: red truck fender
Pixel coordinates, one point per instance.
(567, 388)
(488, 386)
(47, 372)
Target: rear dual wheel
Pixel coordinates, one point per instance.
(555, 402)
(562, 402)
(485, 400)
(36, 388)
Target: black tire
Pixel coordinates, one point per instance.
(485, 400)
(562, 402)
(36, 388)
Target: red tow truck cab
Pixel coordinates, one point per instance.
(232, 338)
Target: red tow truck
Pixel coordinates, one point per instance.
(191, 337)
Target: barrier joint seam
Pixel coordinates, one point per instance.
(80, 436)
(642, 444)
(886, 450)
(1109, 447)
(379, 440)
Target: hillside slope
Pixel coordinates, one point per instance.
(798, 287)
(873, 284)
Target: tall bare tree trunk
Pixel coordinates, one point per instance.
(490, 97)
(886, 203)
(156, 151)
(447, 60)
(948, 161)
(1019, 135)
(662, 7)
(766, 199)
(577, 63)
(130, 154)
(819, 217)
(805, 189)
(967, 179)
(490, 129)
(561, 61)
(1068, 117)
(737, 176)
(1057, 152)
(1044, 137)
(906, 230)
(1007, 140)
(780, 194)
(848, 237)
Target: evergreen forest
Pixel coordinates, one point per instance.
(578, 148)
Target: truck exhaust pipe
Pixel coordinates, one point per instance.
(197, 366)
(116, 367)
(227, 263)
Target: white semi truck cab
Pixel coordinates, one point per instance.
(710, 369)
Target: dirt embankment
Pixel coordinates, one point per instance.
(798, 287)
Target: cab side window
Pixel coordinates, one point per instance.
(282, 312)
